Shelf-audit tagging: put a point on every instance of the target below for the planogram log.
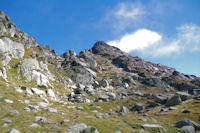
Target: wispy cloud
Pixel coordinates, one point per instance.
(131, 15)
(124, 14)
(127, 11)
(151, 43)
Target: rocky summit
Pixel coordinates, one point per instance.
(99, 90)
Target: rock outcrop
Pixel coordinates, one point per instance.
(31, 70)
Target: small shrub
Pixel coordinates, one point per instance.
(76, 68)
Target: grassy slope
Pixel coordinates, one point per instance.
(114, 122)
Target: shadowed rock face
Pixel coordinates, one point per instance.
(154, 75)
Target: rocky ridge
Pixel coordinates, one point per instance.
(36, 78)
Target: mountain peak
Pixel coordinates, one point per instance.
(102, 48)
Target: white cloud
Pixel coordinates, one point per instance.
(138, 40)
(151, 43)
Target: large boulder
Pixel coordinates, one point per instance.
(174, 100)
(188, 129)
(152, 104)
(76, 128)
(101, 97)
(187, 122)
(103, 83)
(159, 98)
(153, 82)
(82, 75)
(183, 95)
(138, 107)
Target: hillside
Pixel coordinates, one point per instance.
(102, 89)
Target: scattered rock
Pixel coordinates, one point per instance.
(13, 130)
(37, 91)
(8, 101)
(79, 108)
(123, 110)
(186, 111)
(5, 125)
(55, 127)
(29, 91)
(90, 130)
(3, 74)
(41, 119)
(26, 101)
(7, 121)
(111, 95)
(106, 115)
(51, 94)
(14, 112)
(173, 108)
(43, 104)
(33, 108)
(152, 127)
(52, 110)
(99, 115)
(154, 120)
(64, 121)
(142, 119)
(35, 125)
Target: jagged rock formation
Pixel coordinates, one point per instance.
(101, 74)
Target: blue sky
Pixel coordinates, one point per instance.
(165, 32)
